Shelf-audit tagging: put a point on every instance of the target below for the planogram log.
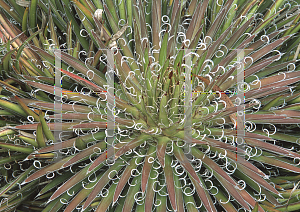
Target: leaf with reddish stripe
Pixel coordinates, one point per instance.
(83, 68)
(280, 136)
(219, 19)
(132, 144)
(79, 116)
(91, 125)
(287, 113)
(255, 209)
(86, 153)
(26, 109)
(223, 145)
(81, 195)
(190, 203)
(50, 106)
(238, 33)
(204, 195)
(278, 121)
(212, 49)
(65, 126)
(161, 197)
(249, 199)
(265, 50)
(75, 179)
(161, 149)
(179, 154)
(68, 93)
(232, 132)
(271, 147)
(48, 169)
(258, 93)
(258, 179)
(71, 142)
(110, 173)
(178, 193)
(238, 159)
(55, 182)
(197, 19)
(100, 91)
(147, 166)
(260, 66)
(270, 82)
(232, 190)
(170, 181)
(188, 139)
(126, 175)
(212, 165)
(150, 190)
(107, 200)
(277, 163)
(107, 154)
(130, 200)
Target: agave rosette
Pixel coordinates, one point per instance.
(199, 112)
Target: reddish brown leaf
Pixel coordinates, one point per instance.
(204, 196)
(212, 165)
(125, 176)
(91, 125)
(277, 163)
(85, 153)
(232, 191)
(132, 144)
(161, 149)
(179, 154)
(147, 166)
(71, 142)
(66, 126)
(150, 192)
(111, 172)
(50, 168)
(104, 156)
(265, 50)
(170, 181)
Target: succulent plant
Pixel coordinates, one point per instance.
(149, 105)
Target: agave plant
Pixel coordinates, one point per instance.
(149, 105)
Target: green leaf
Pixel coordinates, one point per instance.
(27, 109)
(17, 148)
(70, 142)
(83, 194)
(40, 136)
(32, 14)
(47, 132)
(25, 20)
(163, 49)
(18, 180)
(20, 50)
(75, 26)
(13, 108)
(107, 200)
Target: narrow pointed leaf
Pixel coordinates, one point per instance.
(170, 181)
